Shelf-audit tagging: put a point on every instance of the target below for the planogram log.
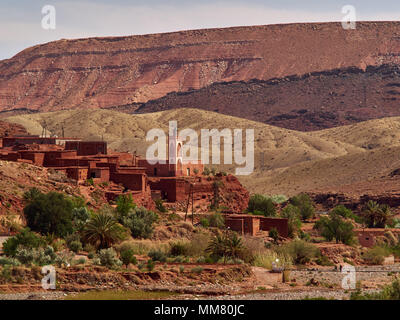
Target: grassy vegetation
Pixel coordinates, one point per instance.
(121, 295)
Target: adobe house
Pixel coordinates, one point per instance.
(251, 224)
(367, 237)
(87, 148)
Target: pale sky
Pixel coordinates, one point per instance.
(21, 20)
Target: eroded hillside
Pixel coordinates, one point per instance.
(106, 72)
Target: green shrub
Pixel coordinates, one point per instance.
(274, 234)
(63, 258)
(375, 255)
(178, 248)
(278, 198)
(301, 252)
(150, 265)
(216, 220)
(305, 205)
(75, 246)
(389, 292)
(160, 205)
(26, 239)
(292, 213)
(157, 255)
(206, 171)
(108, 258)
(204, 222)
(262, 204)
(124, 205)
(197, 270)
(335, 227)
(140, 221)
(38, 256)
(9, 261)
(324, 261)
(127, 257)
(50, 213)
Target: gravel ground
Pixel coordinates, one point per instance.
(51, 295)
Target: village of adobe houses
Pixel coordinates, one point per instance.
(186, 192)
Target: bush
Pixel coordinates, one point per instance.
(26, 239)
(127, 257)
(108, 258)
(63, 258)
(50, 213)
(75, 246)
(140, 221)
(178, 249)
(305, 205)
(157, 255)
(274, 234)
(9, 261)
(160, 205)
(79, 218)
(292, 213)
(375, 255)
(124, 205)
(206, 171)
(204, 222)
(335, 227)
(389, 292)
(197, 270)
(278, 198)
(226, 245)
(150, 265)
(262, 204)
(216, 220)
(39, 256)
(300, 251)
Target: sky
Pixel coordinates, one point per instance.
(21, 20)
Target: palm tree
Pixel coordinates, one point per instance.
(103, 230)
(375, 215)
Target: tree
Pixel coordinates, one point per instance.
(305, 205)
(261, 204)
(50, 213)
(292, 213)
(336, 227)
(31, 194)
(229, 244)
(125, 204)
(103, 230)
(216, 197)
(375, 215)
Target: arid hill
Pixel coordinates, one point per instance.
(293, 161)
(116, 71)
(310, 102)
(281, 147)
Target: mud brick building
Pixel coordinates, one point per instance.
(252, 225)
(369, 237)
